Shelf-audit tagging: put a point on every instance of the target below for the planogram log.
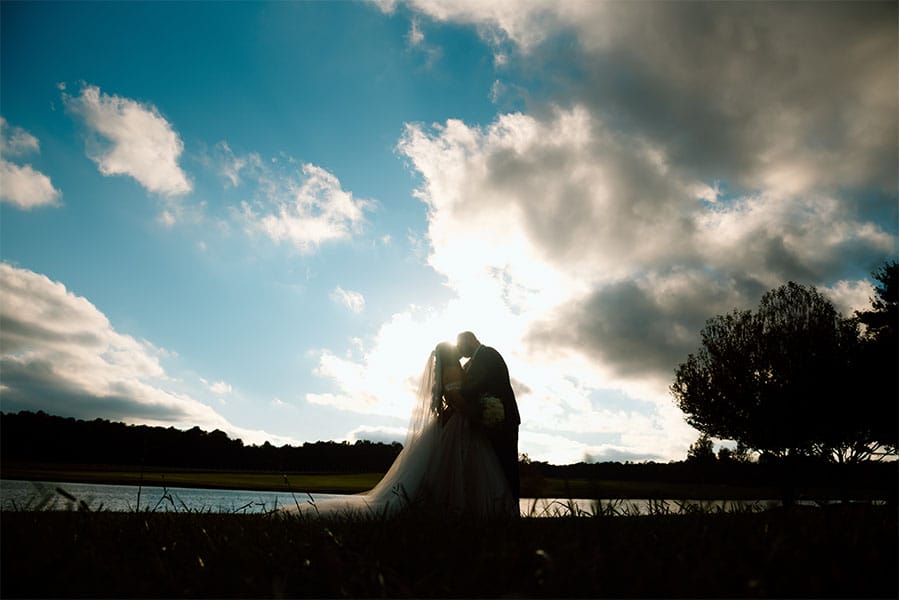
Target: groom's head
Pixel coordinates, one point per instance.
(467, 343)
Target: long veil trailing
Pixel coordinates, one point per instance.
(403, 481)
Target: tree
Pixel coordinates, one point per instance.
(733, 455)
(878, 362)
(881, 320)
(777, 380)
(701, 451)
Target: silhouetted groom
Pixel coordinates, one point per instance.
(487, 375)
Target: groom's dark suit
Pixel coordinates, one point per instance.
(487, 374)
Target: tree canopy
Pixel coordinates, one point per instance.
(878, 358)
(786, 379)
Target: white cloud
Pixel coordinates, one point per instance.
(15, 141)
(166, 218)
(525, 24)
(385, 435)
(305, 209)
(22, 185)
(131, 138)
(415, 35)
(850, 296)
(560, 450)
(60, 354)
(26, 188)
(232, 166)
(220, 387)
(354, 301)
(415, 41)
(386, 6)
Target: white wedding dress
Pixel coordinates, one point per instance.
(450, 467)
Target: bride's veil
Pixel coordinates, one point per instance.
(404, 480)
(428, 399)
(405, 476)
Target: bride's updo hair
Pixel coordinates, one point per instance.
(446, 352)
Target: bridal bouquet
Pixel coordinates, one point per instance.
(491, 411)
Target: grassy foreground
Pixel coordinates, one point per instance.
(842, 551)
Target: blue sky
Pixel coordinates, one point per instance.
(261, 217)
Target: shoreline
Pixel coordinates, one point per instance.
(325, 483)
(352, 483)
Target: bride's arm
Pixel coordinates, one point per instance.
(454, 397)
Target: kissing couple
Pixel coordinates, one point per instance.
(461, 451)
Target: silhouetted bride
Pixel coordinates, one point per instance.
(447, 462)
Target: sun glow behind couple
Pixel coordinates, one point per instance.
(461, 449)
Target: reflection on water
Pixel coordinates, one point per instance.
(68, 496)
(47, 496)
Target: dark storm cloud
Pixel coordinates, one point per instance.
(732, 89)
(642, 328)
(18, 334)
(36, 385)
(608, 197)
(58, 353)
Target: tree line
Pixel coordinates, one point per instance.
(42, 438)
(30, 437)
(877, 476)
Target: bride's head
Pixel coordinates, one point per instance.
(446, 352)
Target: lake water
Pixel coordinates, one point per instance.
(47, 496)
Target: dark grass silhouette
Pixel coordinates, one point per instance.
(838, 551)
